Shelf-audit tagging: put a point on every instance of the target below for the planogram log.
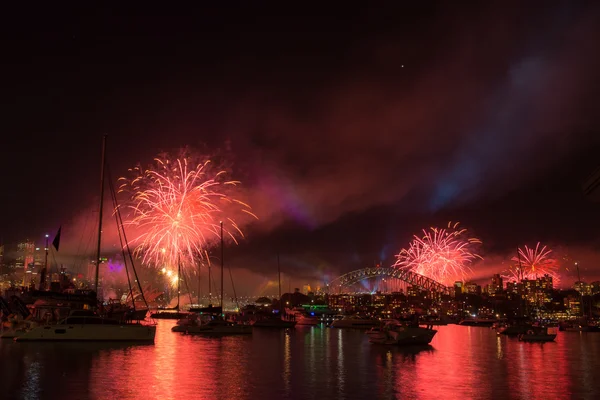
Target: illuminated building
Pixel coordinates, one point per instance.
(472, 288)
(583, 288)
(595, 287)
(458, 288)
(25, 260)
(545, 283)
(306, 289)
(573, 303)
(496, 287)
(413, 291)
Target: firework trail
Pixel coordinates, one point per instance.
(176, 207)
(533, 263)
(444, 255)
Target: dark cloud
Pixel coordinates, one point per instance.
(349, 134)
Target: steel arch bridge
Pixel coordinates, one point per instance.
(409, 277)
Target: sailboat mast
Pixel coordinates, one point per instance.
(178, 280)
(100, 212)
(580, 289)
(222, 268)
(279, 277)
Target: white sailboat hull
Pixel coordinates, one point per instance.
(91, 333)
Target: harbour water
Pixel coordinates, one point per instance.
(305, 363)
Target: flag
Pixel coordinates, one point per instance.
(56, 240)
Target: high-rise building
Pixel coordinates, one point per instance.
(25, 251)
(497, 286)
(583, 288)
(472, 288)
(458, 288)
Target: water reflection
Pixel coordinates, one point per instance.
(310, 362)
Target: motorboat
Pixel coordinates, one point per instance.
(539, 334)
(513, 328)
(397, 333)
(274, 322)
(302, 318)
(15, 326)
(87, 326)
(219, 327)
(355, 322)
(579, 325)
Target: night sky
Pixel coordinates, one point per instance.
(351, 128)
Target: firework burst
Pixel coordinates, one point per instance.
(444, 255)
(532, 263)
(176, 208)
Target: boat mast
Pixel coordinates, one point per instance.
(279, 279)
(580, 289)
(100, 213)
(199, 280)
(178, 280)
(222, 313)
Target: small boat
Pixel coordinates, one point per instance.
(219, 327)
(487, 322)
(579, 325)
(169, 315)
(355, 322)
(274, 322)
(302, 318)
(514, 328)
(396, 333)
(539, 334)
(89, 327)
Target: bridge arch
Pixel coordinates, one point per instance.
(409, 277)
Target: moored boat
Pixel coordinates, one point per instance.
(274, 322)
(355, 322)
(396, 333)
(87, 326)
(539, 334)
(219, 327)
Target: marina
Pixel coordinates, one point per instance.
(301, 362)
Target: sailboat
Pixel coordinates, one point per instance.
(275, 321)
(86, 325)
(218, 325)
(583, 323)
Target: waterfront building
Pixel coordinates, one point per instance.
(497, 286)
(583, 288)
(472, 288)
(573, 303)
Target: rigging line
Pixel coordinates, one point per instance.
(114, 200)
(87, 220)
(233, 287)
(118, 211)
(185, 281)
